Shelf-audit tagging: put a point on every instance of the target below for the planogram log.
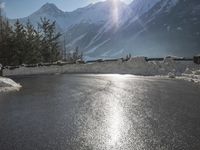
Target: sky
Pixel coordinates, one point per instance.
(23, 8)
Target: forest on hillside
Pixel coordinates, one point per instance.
(25, 44)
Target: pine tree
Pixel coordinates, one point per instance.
(33, 54)
(9, 46)
(50, 41)
(1, 37)
(2, 25)
(20, 42)
(6, 41)
(77, 55)
(23, 44)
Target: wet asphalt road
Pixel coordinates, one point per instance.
(100, 112)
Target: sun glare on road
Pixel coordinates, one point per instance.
(115, 117)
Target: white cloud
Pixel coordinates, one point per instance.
(2, 5)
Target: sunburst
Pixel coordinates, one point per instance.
(115, 11)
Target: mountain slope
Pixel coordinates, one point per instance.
(108, 29)
(140, 7)
(170, 27)
(100, 12)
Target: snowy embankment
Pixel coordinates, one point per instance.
(192, 76)
(7, 84)
(136, 66)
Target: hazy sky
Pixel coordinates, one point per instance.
(22, 8)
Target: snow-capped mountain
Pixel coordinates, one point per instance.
(170, 27)
(145, 27)
(97, 13)
(140, 7)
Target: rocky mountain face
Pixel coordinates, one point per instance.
(114, 29)
(171, 27)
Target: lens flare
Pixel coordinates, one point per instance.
(115, 12)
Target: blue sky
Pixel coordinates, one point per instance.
(22, 8)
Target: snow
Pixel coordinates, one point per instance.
(171, 75)
(96, 13)
(75, 40)
(136, 66)
(192, 75)
(7, 84)
(142, 6)
(186, 70)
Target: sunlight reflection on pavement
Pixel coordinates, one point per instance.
(100, 112)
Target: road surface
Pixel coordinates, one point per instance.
(100, 112)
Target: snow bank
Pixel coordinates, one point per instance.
(191, 75)
(135, 66)
(7, 84)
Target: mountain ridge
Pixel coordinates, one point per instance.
(141, 28)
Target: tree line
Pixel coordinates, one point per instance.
(23, 44)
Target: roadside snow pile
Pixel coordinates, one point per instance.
(171, 75)
(136, 66)
(167, 67)
(191, 75)
(7, 84)
(138, 60)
